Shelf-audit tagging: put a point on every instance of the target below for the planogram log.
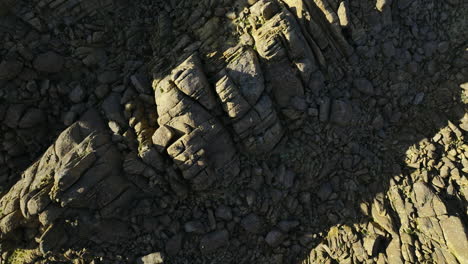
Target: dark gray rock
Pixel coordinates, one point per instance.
(224, 212)
(194, 227)
(174, 245)
(9, 69)
(49, 62)
(364, 86)
(213, 241)
(142, 83)
(101, 91)
(325, 191)
(341, 113)
(78, 94)
(324, 111)
(31, 118)
(388, 49)
(287, 226)
(108, 77)
(252, 223)
(113, 109)
(13, 115)
(274, 238)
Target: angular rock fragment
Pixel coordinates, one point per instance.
(153, 258)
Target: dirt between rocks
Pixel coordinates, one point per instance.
(233, 131)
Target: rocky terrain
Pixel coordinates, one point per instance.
(233, 131)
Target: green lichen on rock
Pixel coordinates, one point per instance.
(20, 256)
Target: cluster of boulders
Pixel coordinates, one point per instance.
(266, 131)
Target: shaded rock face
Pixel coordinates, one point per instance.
(78, 175)
(234, 131)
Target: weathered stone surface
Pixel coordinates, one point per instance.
(456, 236)
(282, 79)
(241, 91)
(263, 115)
(162, 138)
(199, 135)
(79, 173)
(427, 203)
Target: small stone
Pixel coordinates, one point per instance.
(312, 112)
(324, 109)
(274, 238)
(213, 241)
(219, 12)
(231, 15)
(49, 62)
(77, 94)
(162, 137)
(113, 109)
(153, 258)
(194, 227)
(343, 14)
(114, 127)
(69, 118)
(224, 212)
(388, 49)
(325, 191)
(287, 226)
(252, 223)
(9, 69)
(101, 91)
(364, 86)
(403, 4)
(174, 245)
(444, 171)
(31, 118)
(13, 115)
(378, 122)
(299, 103)
(418, 98)
(381, 4)
(341, 113)
(443, 47)
(141, 82)
(108, 77)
